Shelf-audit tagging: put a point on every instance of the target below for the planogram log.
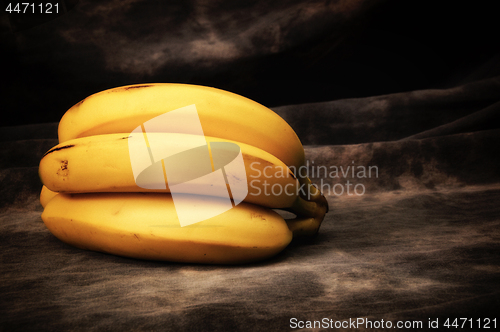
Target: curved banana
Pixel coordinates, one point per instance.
(46, 195)
(306, 224)
(145, 225)
(102, 163)
(222, 114)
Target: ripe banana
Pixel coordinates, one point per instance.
(145, 225)
(102, 163)
(46, 195)
(222, 114)
(92, 199)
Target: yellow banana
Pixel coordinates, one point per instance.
(222, 114)
(46, 195)
(102, 163)
(102, 208)
(145, 225)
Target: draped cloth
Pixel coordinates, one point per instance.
(420, 242)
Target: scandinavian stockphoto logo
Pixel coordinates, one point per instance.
(214, 172)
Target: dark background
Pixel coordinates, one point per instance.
(277, 53)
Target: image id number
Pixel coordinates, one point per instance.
(32, 8)
(484, 323)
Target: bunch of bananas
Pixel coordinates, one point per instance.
(91, 198)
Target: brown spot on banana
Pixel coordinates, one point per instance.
(58, 148)
(137, 86)
(257, 216)
(63, 169)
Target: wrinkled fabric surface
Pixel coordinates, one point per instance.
(420, 243)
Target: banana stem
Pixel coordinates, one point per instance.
(310, 215)
(311, 192)
(302, 227)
